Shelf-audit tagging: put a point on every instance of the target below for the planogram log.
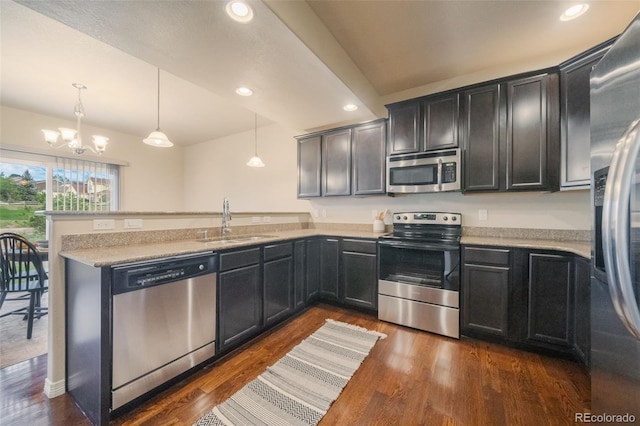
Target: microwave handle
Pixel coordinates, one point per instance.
(439, 173)
(615, 228)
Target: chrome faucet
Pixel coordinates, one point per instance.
(226, 217)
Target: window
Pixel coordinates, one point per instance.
(31, 182)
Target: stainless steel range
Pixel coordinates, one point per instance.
(419, 272)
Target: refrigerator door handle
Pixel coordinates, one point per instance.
(615, 228)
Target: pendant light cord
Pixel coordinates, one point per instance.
(255, 127)
(158, 98)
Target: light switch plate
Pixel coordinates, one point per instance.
(103, 224)
(482, 214)
(132, 223)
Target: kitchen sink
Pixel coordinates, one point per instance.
(232, 240)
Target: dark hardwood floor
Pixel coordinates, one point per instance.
(410, 378)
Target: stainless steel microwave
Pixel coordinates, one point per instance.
(435, 171)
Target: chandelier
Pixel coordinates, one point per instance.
(72, 137)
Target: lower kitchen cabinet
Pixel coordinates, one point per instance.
(312, 263)
(299, 274)
(277, 282)
(239, 298)
(485, 291)
(532, 299)
(550, 299)
(329, 267)
(359, 273)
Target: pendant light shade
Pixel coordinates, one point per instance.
(255, 161)
(157, 137)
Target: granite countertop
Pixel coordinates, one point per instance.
(116, 255)
(581, 248)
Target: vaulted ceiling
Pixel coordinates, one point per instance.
(304, 60)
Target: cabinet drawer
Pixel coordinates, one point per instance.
(359, 246)
(487, 256)
(238, 259)
(276, 251)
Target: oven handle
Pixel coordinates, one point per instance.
(440, 174)
(419, 246)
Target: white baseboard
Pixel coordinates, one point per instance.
(53, 389)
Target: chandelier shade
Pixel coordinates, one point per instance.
(157, 138)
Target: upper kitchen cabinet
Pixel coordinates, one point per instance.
(533, 145)
(309, 166)
(481, 126)
(404, 127)
(510, 133)
(345, 161)
(368, 157)
(575, 117)
(425, 124)
(336, 163)
(441, 122)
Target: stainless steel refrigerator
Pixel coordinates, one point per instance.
(615, 195)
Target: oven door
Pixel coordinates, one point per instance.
(419, 264)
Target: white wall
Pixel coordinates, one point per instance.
(217, 169)
(151, 182)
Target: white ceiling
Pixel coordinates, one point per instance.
(304, 60)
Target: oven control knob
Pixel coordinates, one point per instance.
(398, 217)
(445, 218)
(453, 218)
(404, 218)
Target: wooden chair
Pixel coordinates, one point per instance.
(21, 271)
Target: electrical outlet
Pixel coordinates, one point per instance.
(266, 219)
(482, 214)
(132, 223)
(103, 224)
(374, 214)
(324, 212)
(256, 219)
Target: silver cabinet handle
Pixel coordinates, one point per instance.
(615, 228)
(439, 174)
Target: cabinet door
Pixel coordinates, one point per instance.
(299, 273)
(575, 122)
(369, 159)
(313, 269)
(441, 122)
(485, 299)
(550, 299)
(404, 128)
(582, 311)
(336, 163)
(531, 133)
(329, 260)
(239, 306)
(278, 290)
(359, 274)
(309, 166)
(481, 138)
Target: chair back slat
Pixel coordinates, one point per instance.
(20, 264)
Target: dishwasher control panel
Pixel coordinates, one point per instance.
(134, 276)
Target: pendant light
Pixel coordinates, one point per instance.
(158, 138)
(255, 161)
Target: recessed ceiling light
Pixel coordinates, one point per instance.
(350, 107)
(574, 11)
(239, 11)
(244, 91)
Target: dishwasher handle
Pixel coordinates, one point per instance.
(132, 277)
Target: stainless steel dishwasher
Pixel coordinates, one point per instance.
(163, 322)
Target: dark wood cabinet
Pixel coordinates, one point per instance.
(239, 298)
(359, 276)
(309, 166)
(582, 311)
(533, 144)
(404, 128)
(369, 158)
(440, 123)
(550, 295)
(329, 267)
(299, 274)
(277, 282)
(313, 269)
(510, 134)
(486, 291)
(343, 162)
(336, 163)
(481, 128)
(575, 117)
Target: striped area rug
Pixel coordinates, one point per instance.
(300, 387)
